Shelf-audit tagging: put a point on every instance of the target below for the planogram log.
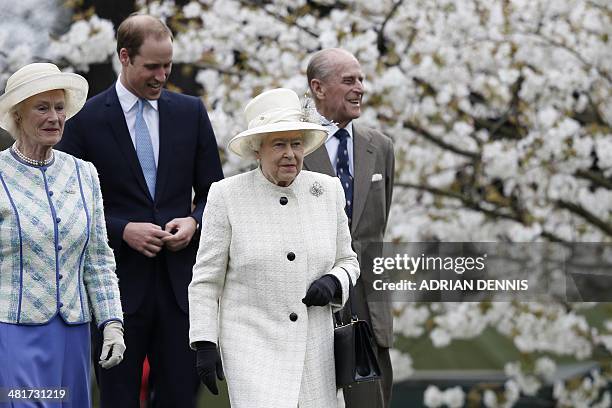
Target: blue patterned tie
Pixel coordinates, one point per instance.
(343, 172)
(144, 149)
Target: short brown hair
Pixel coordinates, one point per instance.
(134, 29)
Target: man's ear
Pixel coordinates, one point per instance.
(124, 57)
(317, 88)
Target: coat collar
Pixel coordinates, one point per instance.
(166, 147)
(127, 99)
(292, 189)
(364, 160)
(116, 120)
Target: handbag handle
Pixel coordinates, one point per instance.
(349, 304)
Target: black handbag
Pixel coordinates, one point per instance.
(354, 354)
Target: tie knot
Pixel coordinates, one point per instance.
(141, 105)
(341, 134)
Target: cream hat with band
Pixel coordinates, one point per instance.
(277, 110)
(37, 78)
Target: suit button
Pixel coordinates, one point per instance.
(293, 317)
(284, 200)
(50, 193)
(59, 247)
(58, 220)
(61, 304)
(291, 256)
(60, 276)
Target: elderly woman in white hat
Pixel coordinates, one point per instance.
(55, 263)
(274, 261)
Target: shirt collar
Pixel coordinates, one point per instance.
(332, 129)
(127, 99)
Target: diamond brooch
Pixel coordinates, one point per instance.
(316, 189)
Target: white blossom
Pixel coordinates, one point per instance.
(502, 161)
(603, 148)
(489, 399)
(87, 42)
(454, 397)
(440, 337)
(546, 368)
(433, 397)
(402, 365)
(192, 9)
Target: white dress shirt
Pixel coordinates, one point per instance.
(332, 143)
(129, 104)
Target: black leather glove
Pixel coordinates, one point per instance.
(321, 291)
(208, 365)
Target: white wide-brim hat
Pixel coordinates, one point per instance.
(37, 78)
(275, 111)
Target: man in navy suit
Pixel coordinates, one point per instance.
(157, 156)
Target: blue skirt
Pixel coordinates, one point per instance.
(45, 357)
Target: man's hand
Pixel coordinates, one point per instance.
(145, 237)
(181, 231)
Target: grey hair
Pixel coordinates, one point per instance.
(254, 142)
(322, 64)
(12, 126)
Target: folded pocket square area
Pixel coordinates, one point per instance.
(376, 177)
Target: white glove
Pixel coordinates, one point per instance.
(113, 344)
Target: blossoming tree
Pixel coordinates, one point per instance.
(501, 115)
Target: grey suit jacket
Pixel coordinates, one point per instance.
(373, 154)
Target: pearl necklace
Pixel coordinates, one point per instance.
(37, 163)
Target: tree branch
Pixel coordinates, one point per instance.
(467, 201)
(598, 116)
(576, 54)
(380, 41)
(555, 238)
(587, 215)
(594, 177)
(435, 139)
(473, 205)
(279, 18)
(599, 6)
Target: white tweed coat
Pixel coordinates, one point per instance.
(247, 289)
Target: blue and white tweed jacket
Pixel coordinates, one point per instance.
(54, 254)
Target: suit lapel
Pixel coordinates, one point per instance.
(116, 120)
(165, 143)
(319, 161)
(364, 160)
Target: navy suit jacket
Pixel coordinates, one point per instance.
(188, 159)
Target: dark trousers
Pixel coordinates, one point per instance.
(375, 394)
(159, 329)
